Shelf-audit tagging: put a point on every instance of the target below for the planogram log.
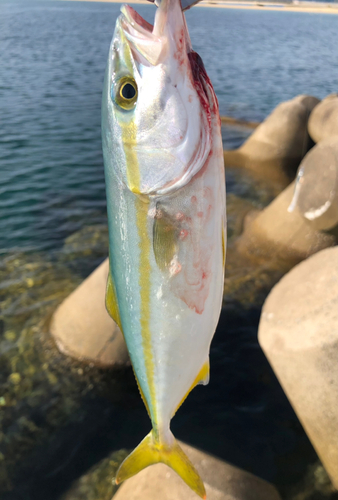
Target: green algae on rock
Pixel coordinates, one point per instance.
(40, 389)
(97, 483)
(85, 249)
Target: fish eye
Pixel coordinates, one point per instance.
(125, 92)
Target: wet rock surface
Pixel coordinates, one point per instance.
(276, 147)
(323, 121)
(299, 333)
(222, 481)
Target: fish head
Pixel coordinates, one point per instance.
(156, 107)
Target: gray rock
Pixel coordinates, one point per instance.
(298, 332)
(316, 192)
(277, 146)
(277, 232)
(83, 329)
(323, 121)
(222, 482)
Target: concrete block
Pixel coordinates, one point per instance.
(298, 332)
(323, 121)
(83, 329)
(277, 146)
(278, 233)
(316, 192)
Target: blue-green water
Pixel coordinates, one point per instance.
(52, 62)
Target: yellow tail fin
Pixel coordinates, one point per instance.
(151, 452)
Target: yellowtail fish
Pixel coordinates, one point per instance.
(166, 214)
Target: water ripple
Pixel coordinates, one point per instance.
(52, 60)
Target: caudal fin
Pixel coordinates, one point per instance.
(150, 452)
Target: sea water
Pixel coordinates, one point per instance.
(52, 63)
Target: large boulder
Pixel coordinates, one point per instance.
(323, 121)
(222, 482)
(278, 233)
(316, 193)
(298, 332)
(277, 146)
(83, 329)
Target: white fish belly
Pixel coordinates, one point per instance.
(185, 307)
(169, 314)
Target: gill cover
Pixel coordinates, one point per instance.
(161, 137)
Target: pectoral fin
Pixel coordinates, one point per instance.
(164, 239)
(111, 301)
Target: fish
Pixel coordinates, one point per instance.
(165, 186)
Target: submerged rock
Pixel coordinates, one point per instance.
(277, 146)
(323, 121)
(298, 332)
(248, 280)
(42, 391)
(82, 327)
(84, 250)
(98, 483)
(222, 482)
(28, 284)
(316, 193)
(316, 485)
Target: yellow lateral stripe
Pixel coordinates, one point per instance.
(132, 168)
(129, 138)
(128, 131)
(223, 246)
(145, 289)
(203, 376)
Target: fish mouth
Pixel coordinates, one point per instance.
(147, 48)
(150, 44)
(136, 21)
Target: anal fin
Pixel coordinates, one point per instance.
(202, 378)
